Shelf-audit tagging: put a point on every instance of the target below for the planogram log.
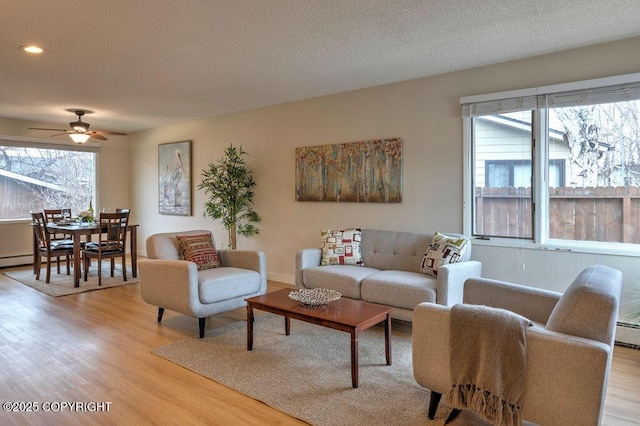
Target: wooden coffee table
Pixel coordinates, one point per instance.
(352, 316)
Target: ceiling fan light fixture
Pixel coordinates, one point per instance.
(79, 137)
(79, 126)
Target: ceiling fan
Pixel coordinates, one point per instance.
(79, 131)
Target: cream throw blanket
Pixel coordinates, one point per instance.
(488, 362)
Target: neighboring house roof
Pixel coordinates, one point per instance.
(30, 180)
(514, 123)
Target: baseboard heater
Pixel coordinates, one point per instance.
(16, 260)
(628, 334)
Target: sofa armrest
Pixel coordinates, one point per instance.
(170, 284)
(306, 258)
(533, 303)
(451, 278)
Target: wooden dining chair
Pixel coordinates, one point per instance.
(47, 247)
(112, 243)
(53, 216)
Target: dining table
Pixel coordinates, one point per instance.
(77, 230)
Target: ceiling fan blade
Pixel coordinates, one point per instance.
(58, 134)
(42, 128)
(97, 135)
(109, 132)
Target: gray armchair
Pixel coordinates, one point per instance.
(169, 282)
(568, 348)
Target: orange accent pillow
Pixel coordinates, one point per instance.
(200, 250)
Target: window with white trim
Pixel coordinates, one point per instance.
(37, 176)
(555, 164)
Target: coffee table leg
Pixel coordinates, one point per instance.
(387, 338)
(249, 326)
(287, 325)
(354, 358)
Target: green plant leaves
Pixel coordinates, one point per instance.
(229, 183)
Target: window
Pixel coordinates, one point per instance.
(555, 164)
(518, 173)
(37, 176)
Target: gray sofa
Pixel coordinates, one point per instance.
(168, 281)
(391, 273)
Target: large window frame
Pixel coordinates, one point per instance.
(538, 100)
(29, 142)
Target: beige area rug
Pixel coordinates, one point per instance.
(62, 284)
(308, 373)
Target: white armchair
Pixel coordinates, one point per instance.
(568, 350)
(169, 282)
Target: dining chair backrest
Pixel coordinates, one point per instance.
(113, 234)
(53, 215)
(40, 229)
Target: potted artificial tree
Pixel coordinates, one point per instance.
(229, 183)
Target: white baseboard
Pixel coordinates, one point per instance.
(628, 334)
(281, 278)
(26, 259)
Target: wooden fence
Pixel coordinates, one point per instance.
(608, 214)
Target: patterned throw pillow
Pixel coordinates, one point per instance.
(199, 249)
(442, 250)
(341, 247)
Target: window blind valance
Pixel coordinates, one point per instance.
(590, 92)
(520, 103)
(596, 95)
(23, 142)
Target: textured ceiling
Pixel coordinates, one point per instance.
(139, 64)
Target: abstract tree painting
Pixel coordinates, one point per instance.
(368, 171)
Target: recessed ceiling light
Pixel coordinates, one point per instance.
(32, 49)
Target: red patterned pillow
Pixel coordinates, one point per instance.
(341, 247)
(199, 249)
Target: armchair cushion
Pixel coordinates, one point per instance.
(220, 284)
(199, 249)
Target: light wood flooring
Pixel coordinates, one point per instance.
(95, 347)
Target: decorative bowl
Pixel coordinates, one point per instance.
(315, 296)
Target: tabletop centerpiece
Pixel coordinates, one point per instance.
(315, 296)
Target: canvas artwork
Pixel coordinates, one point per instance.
(368, 171)
(174, 178)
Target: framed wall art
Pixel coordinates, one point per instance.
(174, 178)
(368, 171)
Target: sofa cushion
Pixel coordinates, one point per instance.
(589, 306)
(442, 250)
(345, 279)
(199, 249)
(341, 247)
(220, 284)
(393, 250)
(400, 289)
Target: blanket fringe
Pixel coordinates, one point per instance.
(488, 406)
